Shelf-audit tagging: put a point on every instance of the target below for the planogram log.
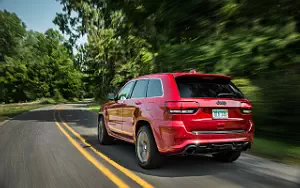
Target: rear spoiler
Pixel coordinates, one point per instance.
(204, 76)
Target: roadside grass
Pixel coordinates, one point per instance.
(277, 151)
(10, 111)
(94, 107)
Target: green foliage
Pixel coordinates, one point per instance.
(276, 150)
(13, 78)
(275, 109)
(274, 98)
(12, 30)
(110, 59)
(57, 96)
(248, 88)
(49, 101)
(94, 107)
(243, 52)
(41, 65)
(74, 100)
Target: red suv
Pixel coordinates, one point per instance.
(179, 114)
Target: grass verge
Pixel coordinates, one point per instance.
(94, 107)
(277, 151)
(11, 110)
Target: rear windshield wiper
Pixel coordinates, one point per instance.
(226, 94)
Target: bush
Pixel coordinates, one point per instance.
(250, 90)
(74, 99)
(50, 101)
(58, 97)
(275, 99)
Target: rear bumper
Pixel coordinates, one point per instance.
(173, 138)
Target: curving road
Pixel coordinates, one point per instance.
(57, 147)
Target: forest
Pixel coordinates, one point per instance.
(257, 42)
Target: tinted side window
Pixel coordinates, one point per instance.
(125, 91)
(154, 88)
(139, 90)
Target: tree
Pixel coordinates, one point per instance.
(12, 31)
(109, 51)
(36, 65)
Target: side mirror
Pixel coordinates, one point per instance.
(111, 96)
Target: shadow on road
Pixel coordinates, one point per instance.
(174, 166)
(80, 117)
(38, 115)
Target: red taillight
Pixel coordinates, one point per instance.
(182, 107)
(246, 108)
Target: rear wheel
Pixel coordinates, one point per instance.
(228, 156)
(103, 136)
(146, 150)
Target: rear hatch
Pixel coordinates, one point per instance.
(212, 105)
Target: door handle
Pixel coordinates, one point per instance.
(138, 102)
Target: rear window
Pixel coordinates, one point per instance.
(199, 87)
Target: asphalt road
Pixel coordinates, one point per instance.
(57, 147)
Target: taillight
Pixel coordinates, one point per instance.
(182, 107)
(246, 108)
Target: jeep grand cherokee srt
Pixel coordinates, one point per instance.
(179, 114)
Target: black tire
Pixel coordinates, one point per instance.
(228, 156)
(103, 136)
(155, 159)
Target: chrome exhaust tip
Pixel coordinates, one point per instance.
(247, 146)
(191, 150)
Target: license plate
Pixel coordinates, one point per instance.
(220, 114)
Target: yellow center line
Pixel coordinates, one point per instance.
(93, 160)
(127, 172)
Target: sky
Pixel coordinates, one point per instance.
(36, 14)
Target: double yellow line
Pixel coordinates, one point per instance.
(96, 163)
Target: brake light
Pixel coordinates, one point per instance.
(182, 107)
(246, 108)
